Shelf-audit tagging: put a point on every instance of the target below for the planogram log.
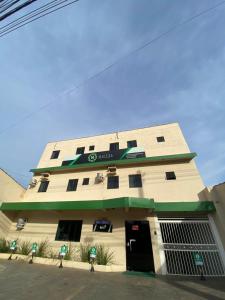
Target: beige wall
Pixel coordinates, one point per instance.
(10, 191)
(44, 225)
(217, 195)
(146, 138)
(185, 188)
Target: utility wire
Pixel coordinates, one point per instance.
(186, 21)
(17, 8)
(8, 6)
(38, 17)
(30, 15)
(6, 2)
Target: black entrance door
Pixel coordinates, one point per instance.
(139, 246)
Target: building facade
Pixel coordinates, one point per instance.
(138, 192)
(10, 190)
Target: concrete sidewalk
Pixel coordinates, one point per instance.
(21, 281)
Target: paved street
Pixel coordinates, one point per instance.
(19, 280)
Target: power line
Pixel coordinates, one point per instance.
(28, 14)
(186, 21)
(17, 8)
(31, 15)
(8, 6)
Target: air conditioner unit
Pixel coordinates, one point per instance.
(99, 178)
(33, 183)
(111, 170)
(20, 223)
(44, 176)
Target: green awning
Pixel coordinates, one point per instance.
(123, 202)
(125, 162)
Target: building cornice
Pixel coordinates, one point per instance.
(122, 202)
(184, 157)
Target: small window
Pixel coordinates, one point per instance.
(114, 147)
(80, 150)
(135, 181)
(91, 148)
(113, 182)
(131, 144)
(55, 154)
(85, 181)
(170, 176)
(102, 226)
(43, 187)
(160, 139)
(72, 185)
(69, 231)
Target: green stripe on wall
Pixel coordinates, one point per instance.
(123, 202)
(140, 160)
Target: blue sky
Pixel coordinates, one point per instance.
(179, 78)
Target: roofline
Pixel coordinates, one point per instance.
(13, 178)
(102, 134)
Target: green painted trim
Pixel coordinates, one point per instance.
(140, 160)
(197, 206)
(80, 205)
(123, 202)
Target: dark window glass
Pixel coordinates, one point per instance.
(170, 176)
(114, 147)
(113, 182)
(91, 148)
(80, 150)
(55, 154)
(131, 144)
(43, 187)
(69, 231)
(102, 226)
(135, 180)
(160, 139)
(85, 181)
(72, 185)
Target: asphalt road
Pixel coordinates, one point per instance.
(21, 281)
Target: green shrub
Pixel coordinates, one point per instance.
(84, 252)
(24, 247)
(53, 255)
(43, 248)
(69, 254)
(4, 245)
(104, 255)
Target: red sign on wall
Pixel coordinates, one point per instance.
(135, 227)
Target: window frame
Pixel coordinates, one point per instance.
(53, 156)
(44, 189)
(80, 150)
(117, 146)
(132, 141)
(160, 139)
(134, 183)
(86, 181)
(69, 189)
(74, 235)
(109, 186)
(170, 175)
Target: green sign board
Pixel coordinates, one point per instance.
(63, 250)
(13, 245)
(34, 247)
(198, 259)
(93, 252)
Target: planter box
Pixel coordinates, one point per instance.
(66, 263)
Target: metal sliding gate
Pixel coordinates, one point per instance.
(185, 239)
